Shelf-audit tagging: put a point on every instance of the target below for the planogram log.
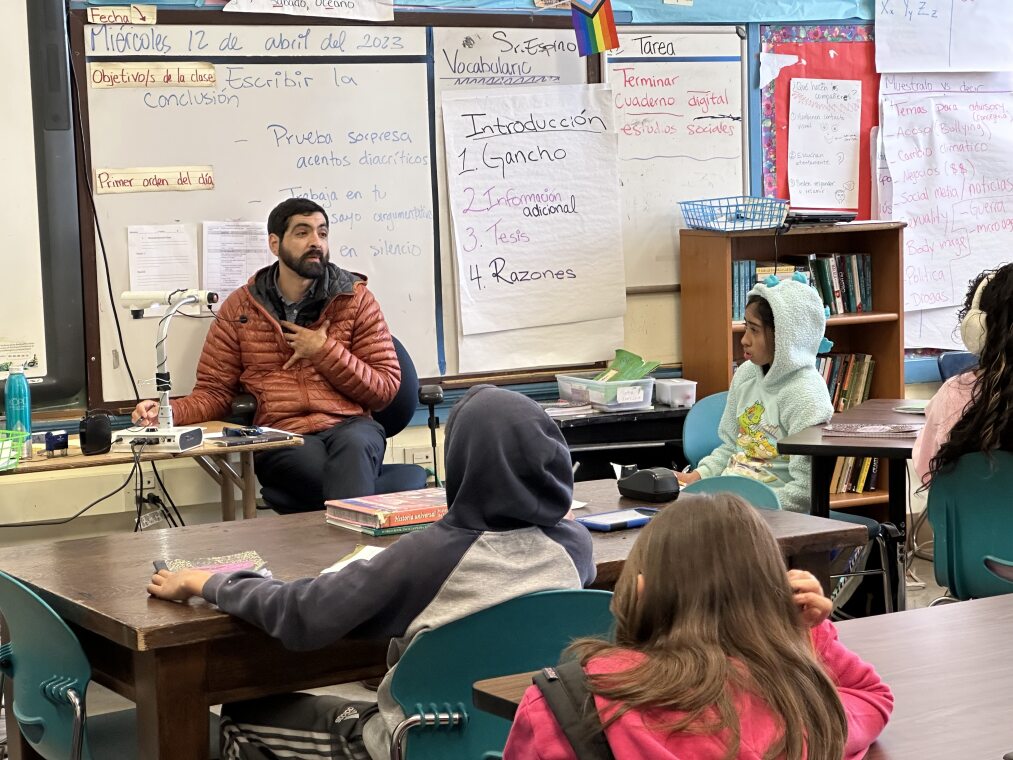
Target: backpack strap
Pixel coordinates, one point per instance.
(564, 688)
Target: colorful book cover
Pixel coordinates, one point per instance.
(864, 474)
(423, 505)
(226, 563)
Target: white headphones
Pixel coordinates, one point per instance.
(973, 326)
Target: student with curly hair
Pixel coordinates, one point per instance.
(719, 654)
(973, 411)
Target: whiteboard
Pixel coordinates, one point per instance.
(329, 130)
(22, 320)
(679, 97)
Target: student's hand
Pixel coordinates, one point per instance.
(145, 413)
(685, 478)
(813, 606)
(178, 587)
(304, 341)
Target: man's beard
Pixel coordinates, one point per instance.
(304, 266)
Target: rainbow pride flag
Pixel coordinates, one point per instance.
(595, 26)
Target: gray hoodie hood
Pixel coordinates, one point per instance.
(799, 324)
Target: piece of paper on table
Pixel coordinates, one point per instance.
(161, 257)
(361, 551)
(578, 504)
(823, 143)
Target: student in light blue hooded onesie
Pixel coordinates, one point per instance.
(775, 392)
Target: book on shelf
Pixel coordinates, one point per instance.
(863, 474)
(848, 378)
(870, 430)
(390, 510)
(843, 280)
(226, 563)
(873, 475)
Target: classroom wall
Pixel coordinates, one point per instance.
(652, 321)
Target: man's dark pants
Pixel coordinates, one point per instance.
(338, 463)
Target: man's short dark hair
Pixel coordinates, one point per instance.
(277, 221)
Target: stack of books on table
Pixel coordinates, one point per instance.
(388, 513)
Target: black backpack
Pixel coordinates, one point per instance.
(565, 690)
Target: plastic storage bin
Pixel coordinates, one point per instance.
(737, 212)
(12, 443)
(614, 396)
(675, 391)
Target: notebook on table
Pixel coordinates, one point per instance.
(871, 430)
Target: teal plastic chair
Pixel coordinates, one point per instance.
(700, 428)
(760, 495)
(970, 508)
(50, 676)
(955, 363)
(700, 437)
(433, 680)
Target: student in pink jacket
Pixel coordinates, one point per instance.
(974, 410)
(718, 654)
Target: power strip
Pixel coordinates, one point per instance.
(169, 440)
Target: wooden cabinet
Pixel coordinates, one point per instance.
(711, 341)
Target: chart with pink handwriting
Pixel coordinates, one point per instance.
(534, 199)
(677, 97)
(948, 148)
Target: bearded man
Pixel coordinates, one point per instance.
(309, 342)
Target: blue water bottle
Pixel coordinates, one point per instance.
(18, 406)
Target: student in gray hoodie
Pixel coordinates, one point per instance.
(509, 489)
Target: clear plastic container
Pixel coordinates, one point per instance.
(675, 391)
(614, 396)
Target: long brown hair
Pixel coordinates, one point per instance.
(716, 618)
(986, 423)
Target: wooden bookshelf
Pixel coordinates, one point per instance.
(711, 346)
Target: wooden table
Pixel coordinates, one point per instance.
(824, 451)
(214, 460)
(806, 541)
(950, 669)
(176, 660)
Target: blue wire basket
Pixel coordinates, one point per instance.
(736, 212)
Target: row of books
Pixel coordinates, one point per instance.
(848, 376)
(843, 280)
(389, 513)
(747, 272)
(855, 475)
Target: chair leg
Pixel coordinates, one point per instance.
(398, 736)
(77, 738)
(434, 718)
(884, 555)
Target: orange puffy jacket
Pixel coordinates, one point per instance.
(355, 372)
